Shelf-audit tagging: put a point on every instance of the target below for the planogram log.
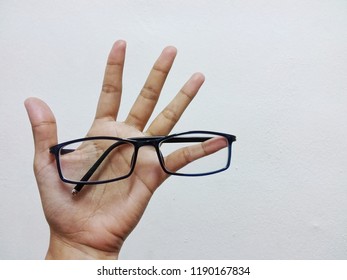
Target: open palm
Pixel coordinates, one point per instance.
(95, 223)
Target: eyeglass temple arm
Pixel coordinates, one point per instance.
(91, 171)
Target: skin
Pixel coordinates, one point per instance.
(95, 223)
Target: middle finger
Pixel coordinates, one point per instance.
(149, 95)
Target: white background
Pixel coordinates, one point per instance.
(275, 78)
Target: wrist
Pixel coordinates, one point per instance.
(60, 249)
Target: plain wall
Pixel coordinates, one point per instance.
(276, 77)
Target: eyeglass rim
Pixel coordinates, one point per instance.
(135, 142)
(229, 137)
(55, 148)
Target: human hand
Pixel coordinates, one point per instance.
(96, 222)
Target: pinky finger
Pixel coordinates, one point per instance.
(182, 157)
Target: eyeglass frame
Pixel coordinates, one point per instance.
(137, 143)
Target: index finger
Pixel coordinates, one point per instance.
(111, 91)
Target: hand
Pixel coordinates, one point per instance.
(95, 223)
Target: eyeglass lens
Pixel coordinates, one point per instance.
(106, 159)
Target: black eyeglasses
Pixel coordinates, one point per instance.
(103, 159)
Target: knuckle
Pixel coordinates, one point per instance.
(149, 93)
(171, 115)
(109, 88)
(188, 158)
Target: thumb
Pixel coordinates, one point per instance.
(43, 124)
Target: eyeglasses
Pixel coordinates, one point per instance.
(103, 159)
